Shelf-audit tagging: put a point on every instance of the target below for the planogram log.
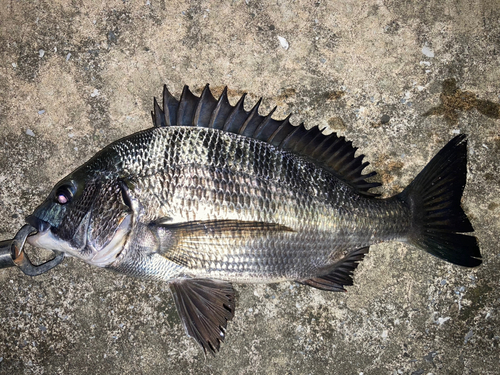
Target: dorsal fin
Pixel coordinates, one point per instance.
(331, 152)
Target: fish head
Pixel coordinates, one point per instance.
(84, 216)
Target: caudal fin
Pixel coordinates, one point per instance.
(434, 197)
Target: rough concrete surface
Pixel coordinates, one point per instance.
(398, 78)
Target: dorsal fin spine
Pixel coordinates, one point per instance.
(263, 124)
(289, 136)
(206, 105)
(158, 115)
(331, 141)
(222, 101)
(284, 123)
(254, 112)
(196, 117)
(311, 142)
(340, 150)
(237, 109)
(351, 166)
(362, 165)
(185, 112)
(371, 174)
(168, 103)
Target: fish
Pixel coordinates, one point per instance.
(214, 195)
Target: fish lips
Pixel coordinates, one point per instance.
(37, 223)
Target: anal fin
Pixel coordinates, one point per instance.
(340, 274)
(204, 306)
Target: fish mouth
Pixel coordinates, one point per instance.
(37, 223)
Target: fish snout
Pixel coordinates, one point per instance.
(37, 223)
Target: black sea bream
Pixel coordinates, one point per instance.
(213, 194)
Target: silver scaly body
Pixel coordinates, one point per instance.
(190, 174)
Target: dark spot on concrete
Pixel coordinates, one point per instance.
(491, 177)
(373, 10)
(488, 108)
(478, 297)
(23, 343)
(112, 38)
(392, 27)
(336, 123)
(430, 357)
(333, 95)
(391, 170)
(395, 165)
(497, 143)
(453, 100)
(28, 65)
(286, 94)
(418, 372)
(492, 206)
(385, 119)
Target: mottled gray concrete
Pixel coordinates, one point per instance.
(75, 77)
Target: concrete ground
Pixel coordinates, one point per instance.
(397, 78)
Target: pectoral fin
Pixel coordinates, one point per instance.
(198, 227)
(195, 244)
(204, 306)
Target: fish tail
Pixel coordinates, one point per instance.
(434, 198)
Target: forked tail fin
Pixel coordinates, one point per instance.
(434, 197)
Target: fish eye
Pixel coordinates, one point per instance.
(64, 194)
